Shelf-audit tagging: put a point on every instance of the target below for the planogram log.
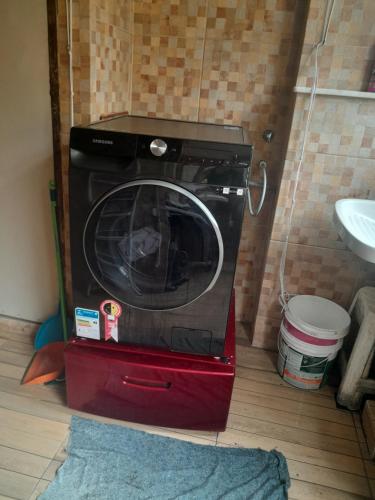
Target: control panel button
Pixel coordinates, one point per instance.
(158, 147)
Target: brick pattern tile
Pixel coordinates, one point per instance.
(330, 273)
(111, 24)
(249, 269)
(166, 76)
(111, 86)
(338, 127)
(176, 18)
(81, 61)
(345, 61)
(244, 83)
(117, 13)
(240, 18)
(324, 180)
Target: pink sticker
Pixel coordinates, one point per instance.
(111, 311)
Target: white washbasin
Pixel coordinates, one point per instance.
(355, 222)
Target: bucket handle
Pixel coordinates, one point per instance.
(304, 366)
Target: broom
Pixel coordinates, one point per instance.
(47, 363)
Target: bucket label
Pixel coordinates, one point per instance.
(303, 371)
(295, 358)
(312, 364)
(301, 379)
(87, 323)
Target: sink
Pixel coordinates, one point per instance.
(355, 222)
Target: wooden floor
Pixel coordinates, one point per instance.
(324, 446)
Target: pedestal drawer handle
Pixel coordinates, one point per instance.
(139, 383)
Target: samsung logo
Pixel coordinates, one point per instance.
(102, 141)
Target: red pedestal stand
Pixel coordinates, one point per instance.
(151, 386)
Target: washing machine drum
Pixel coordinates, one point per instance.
(153, 245)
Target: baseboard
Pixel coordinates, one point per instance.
(18, 326)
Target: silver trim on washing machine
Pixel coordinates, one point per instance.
(188, 194)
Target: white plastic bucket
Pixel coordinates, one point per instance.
(318, 317)
(302, 364)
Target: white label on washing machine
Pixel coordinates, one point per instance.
(87, 323)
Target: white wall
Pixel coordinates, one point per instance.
(27, 268)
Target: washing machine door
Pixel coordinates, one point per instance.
(153, 245)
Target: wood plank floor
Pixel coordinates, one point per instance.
(324, 446)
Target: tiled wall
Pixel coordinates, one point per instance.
(168, 55)
(346, 60)
(227, 62)
(339, 163)
(221, 61)
(102, 52)
(111, 52)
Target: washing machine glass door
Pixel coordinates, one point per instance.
(153, 245)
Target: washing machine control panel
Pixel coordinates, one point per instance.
(196, 160)
(197, 153)
(213, 154)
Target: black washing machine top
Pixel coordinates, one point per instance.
(165, 140)
(176, 129)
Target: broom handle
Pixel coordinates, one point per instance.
(60, 277)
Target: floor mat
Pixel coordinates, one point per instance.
(114, 462)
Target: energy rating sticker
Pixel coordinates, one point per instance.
(111, 311)
(87, 323)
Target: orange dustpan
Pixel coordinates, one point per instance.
(46, 365)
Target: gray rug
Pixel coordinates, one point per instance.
(115, 463)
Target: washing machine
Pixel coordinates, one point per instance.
(156, 209)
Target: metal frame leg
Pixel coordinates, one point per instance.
(349, 394)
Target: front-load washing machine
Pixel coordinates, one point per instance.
(156, 209)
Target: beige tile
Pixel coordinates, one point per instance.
(238, 18)
(166, 76)
(180, 18)
(115, 12)
(333, 274)
(346, 59)
(324, 179)
(243, 82)
(249, 268)
(338, 127)
(110, 87)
